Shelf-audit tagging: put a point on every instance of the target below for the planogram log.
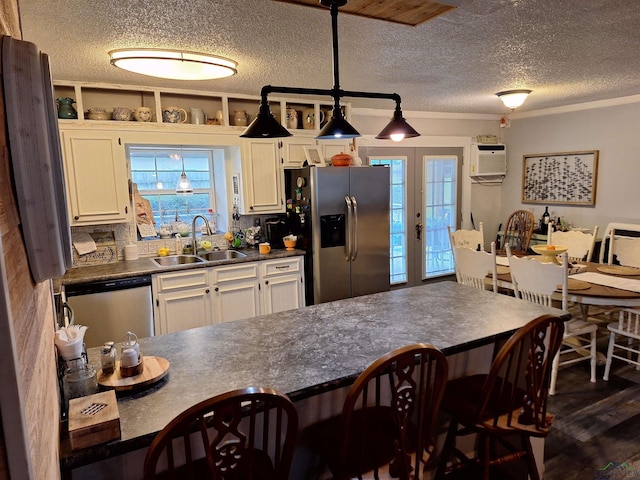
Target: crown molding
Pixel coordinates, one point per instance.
(611, 102)
(381, 112)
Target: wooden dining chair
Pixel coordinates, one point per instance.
(240, 435)
(579, 244)
(472, 267)
(387, 418)
(624, 340)
(510, 400)
(517, 232)
(537, 282)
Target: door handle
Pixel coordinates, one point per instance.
(349, 247)
(354, 247)
(418, 231)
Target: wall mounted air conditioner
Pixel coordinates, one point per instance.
(489, 161)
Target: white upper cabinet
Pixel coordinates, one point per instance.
(333, 147)
(292, 153)
(97, 178)
(94, 154)
(262, 179)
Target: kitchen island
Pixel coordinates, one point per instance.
(306, 352)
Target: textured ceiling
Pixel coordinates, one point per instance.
(566, 51)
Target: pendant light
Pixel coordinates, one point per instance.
(184, 187)
(265, 124)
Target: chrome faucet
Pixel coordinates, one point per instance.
(194, 244)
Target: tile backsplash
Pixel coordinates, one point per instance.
(125, 234)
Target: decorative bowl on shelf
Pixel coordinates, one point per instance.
(341, 160)
(549, 252)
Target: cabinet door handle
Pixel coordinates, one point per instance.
(216, 289)
(266, 282)
(76, 217)
(126, 209)
(206, 291)
(282, 267)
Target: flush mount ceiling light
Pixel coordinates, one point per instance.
(513, 98)
(265, 124)
(173, 64)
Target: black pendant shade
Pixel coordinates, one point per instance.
(397, 129)
(337, 127)
(265, 125)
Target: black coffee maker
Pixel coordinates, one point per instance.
(276, 229)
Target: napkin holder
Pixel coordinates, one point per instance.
(93, 420)
(576, 268)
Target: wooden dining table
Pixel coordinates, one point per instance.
(593, 295)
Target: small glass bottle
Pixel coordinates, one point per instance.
(108, 358)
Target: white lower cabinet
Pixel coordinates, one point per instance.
(204, 296)
(182, 300)
(282, 284)
(236, 291)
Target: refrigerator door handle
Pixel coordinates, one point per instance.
(354, 245)
(349, 248)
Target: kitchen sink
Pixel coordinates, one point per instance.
(173, 260)
(222, 255)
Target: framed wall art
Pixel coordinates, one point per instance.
(560, 178)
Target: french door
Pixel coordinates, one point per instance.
(425, 199)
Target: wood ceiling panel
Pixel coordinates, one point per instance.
(407, 12)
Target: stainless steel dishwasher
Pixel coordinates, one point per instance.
(111, 308)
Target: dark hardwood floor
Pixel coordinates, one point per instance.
(597, 425)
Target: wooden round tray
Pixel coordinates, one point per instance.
(502, 270)
(618, 270)
(574, 284)
(155, 368)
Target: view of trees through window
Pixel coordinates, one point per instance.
(156, 172)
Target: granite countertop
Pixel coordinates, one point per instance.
(145, 266)
(305, 352)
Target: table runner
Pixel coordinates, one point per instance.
(609, 281)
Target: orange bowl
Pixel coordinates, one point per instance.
(290, 244)
(341, 160)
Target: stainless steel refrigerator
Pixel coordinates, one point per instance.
(341, 217)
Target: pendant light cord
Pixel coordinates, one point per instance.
(336, 93)
(265, 125)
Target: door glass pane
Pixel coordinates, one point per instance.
(397, 216)
(440, 194)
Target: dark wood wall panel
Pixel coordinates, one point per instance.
(30, 311)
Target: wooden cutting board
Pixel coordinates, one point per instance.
(155, 368)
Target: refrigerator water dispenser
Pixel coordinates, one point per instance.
(332, 231)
